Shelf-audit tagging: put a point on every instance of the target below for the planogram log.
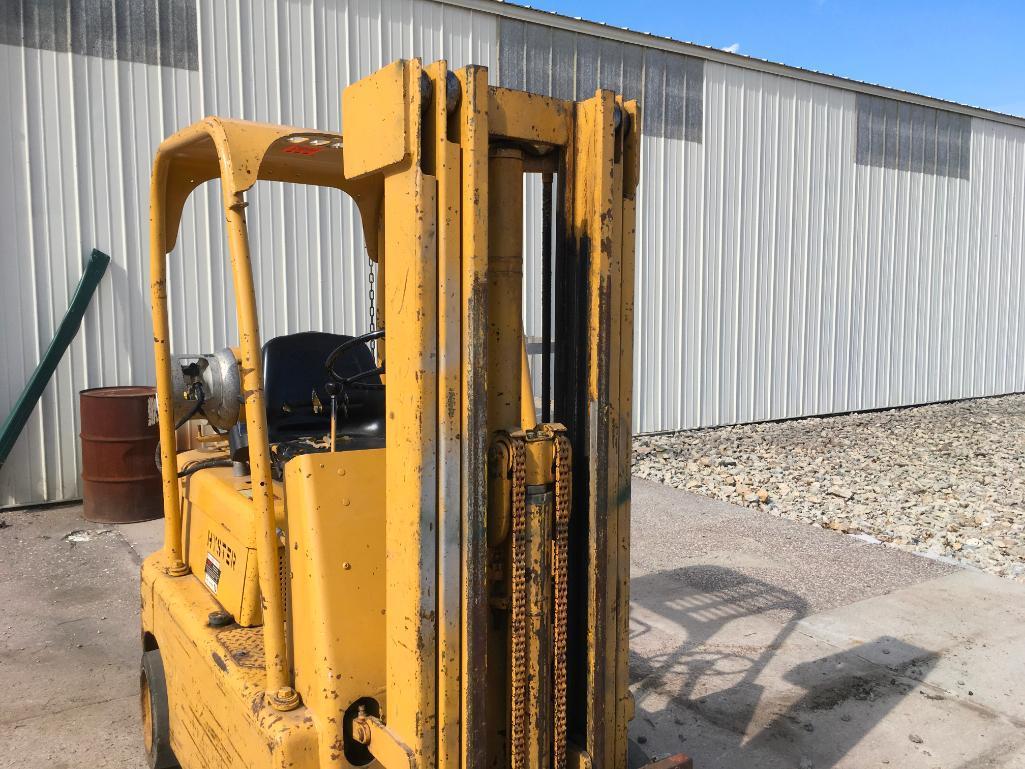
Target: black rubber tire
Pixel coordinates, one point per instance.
(153, 692)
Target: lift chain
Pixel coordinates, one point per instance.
(371, 305)
(518, 604)
(560, 578)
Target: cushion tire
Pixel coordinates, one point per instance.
(155, 719)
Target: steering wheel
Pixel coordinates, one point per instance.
(356, 380)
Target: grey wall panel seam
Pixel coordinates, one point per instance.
(507, 10)
(105, 29)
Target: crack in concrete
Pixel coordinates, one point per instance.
(135, 554)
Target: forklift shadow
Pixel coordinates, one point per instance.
(718, 673)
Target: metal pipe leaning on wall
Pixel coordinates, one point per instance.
(66, 331)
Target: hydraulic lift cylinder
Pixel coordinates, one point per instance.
(505, 288)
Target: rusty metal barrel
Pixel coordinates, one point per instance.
(120, 480)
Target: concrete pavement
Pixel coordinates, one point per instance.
(69, 643)
(756, 642)
(759, 642)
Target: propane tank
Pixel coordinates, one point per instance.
(207, 386)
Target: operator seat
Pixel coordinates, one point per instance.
(293, 369)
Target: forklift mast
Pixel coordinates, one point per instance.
(382, 556)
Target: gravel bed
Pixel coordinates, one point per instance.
(945, 480)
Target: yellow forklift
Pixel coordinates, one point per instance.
(378, 554)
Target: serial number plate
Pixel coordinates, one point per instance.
(212, 573)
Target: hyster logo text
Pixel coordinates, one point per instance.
(220, 549)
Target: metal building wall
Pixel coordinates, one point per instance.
(803, 282)
(780, 272)
(90, 88)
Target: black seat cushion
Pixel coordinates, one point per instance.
(293, 368)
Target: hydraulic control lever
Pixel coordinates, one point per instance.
(331, 387)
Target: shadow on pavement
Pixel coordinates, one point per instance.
(714, 650)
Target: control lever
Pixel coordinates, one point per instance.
(331, 388)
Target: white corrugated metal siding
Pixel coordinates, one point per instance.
(796, 253)
(89, 93)
(779, 273)
(779, 278)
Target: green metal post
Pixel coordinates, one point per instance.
(19, 415)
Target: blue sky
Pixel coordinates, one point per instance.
(973, 53)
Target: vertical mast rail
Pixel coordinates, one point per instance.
(442, 159)
(593, 223)
(627, 178)
(410, 298)
(472, 120)
(383, 125)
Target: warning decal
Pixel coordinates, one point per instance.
(212, 573)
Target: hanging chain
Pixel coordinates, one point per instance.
(560, 569)
(518, 605)
(372, 309)
(519, 679)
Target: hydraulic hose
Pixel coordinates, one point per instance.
(198, 408)
(204, 463)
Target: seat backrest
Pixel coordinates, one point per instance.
(293, 368)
